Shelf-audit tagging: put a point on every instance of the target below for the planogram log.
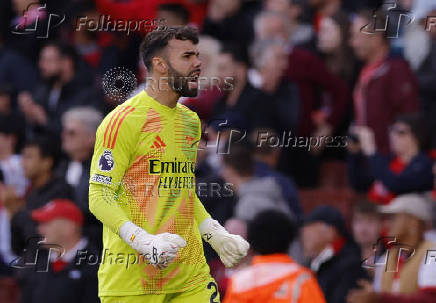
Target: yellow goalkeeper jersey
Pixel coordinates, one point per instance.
(143, 171)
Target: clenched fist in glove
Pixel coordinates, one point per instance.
(230, 248)
(160, 250)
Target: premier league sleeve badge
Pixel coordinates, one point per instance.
(106, 162)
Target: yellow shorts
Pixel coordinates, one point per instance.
(206, 292)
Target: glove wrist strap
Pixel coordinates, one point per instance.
(129, 232)
(209, 227)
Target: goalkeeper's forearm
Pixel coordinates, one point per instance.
(105, 208)
(159, 250)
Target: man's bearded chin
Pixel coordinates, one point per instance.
(181, 83)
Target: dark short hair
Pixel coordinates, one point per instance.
(271, 232)
(418, 128)
(48, 146)
(380, 20)
(240, 158)
(158, 39)
(177, 9)
(65, 50)
(237, 52)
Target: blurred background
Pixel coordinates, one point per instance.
(335, 102)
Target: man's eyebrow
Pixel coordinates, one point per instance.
(191, 53)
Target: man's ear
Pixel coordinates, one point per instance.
(159, 65)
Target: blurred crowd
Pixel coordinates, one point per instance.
(289, 87)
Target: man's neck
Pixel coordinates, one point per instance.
(81, 156)
(380, 54)
(407, 156)
(68, 245)
(41, 180)
(162, 93)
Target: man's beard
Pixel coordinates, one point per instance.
(180, 83)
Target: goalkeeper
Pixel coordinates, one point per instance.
(142, 186)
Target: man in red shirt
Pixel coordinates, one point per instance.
(386, 86)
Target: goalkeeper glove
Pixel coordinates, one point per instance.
(160, 250)
(230, 248)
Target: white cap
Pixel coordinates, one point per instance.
(412, 204)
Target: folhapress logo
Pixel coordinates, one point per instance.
(35, 20)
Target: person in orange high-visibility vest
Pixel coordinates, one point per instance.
(273, 277)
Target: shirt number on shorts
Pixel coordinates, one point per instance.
(215, 293)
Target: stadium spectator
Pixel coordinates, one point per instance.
(333, 43)
(405, 274)
(386, 86)
(173, 14)
(426, 293)
(300, 33)
(322, 9)
(407, 217)
(10, 160)
(407, 169)
(367, 227)
(281, 105)
(231, 21)
(254, 194)
(273, 276)
(242, 101)
(40, 156)
(323, 96)
(69, 276)
(137, 10)
(99, 50)
(266, 157)
(78, 139)
(13, 184)
(65, 83)
(16, 70)
(333, 254)
(426, 76)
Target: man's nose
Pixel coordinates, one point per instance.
(197, 63)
